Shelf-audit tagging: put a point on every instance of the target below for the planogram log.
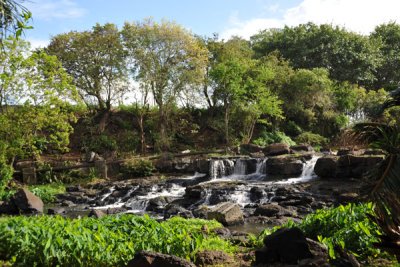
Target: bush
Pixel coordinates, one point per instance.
(349, 227)
(101, 143)
(137, 168)
(267, 138)
(48, 192)
(311, 139)
(292, 129)
(108, 241)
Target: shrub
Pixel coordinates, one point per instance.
(349, 227)
(267, 138)
(48, 192)
(101, 143)
(311, 139)
(137, 168)
(108, 241)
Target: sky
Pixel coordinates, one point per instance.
(205, 17)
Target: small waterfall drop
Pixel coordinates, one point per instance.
(261, 167)
(240, 167)
(308, 169)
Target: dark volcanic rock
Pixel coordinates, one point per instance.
(8, 208)
(325, 167)
(27, 202)
(286, 166)
(256, 194)
(56, 211)
(302, 148)
(211, 257)
(286, 245)
(175, 210)
(270, 210)
(276, 149)
(154, 259)
(226, 213)
(96, 214)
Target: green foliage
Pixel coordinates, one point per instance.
(108, 241)
(101, 143)
(311, 139)
(267, 138)
(48, 192)
(347, 227)
(137, 168)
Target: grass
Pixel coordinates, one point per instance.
(48, 192)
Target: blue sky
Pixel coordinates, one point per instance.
(204, 17)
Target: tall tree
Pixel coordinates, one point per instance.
(388, 73)
(346, 55)
(168, 59)
(96, 61)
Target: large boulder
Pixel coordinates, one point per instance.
(286, 166)
(325, 167)
(226, 213)
(270, 210)
(346, 166)
(27, 202)
(250, 148)
(276, 149)
(286, 245)
(154, 259)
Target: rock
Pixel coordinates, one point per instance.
(56, 211)
(223, 232)
(158, 203)
(211, 257)
(250, 148)
(276, 149)
(270, 210)
(374, 152)
(175, 210)
(202, 165)
(68, 203)
(302, 148)
(286, 245)
(347, 197)
(96, 213)
(355, 166)
(226, 213)
(73, 188)
(8, 207)
(325, 167)
(154, 259)
(284, 166)
(201, 212)
(345, 151)
(27, 202)
(256, 194)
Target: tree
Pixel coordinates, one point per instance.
(388, 73)
(347, 56)
(96, 61)
(35, 92)
(168, 59)
(13, 18)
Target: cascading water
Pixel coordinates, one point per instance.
(261, 167)
(240, 167)
(220, 168)
(307, 174)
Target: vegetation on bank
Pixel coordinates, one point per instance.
(108, 241)
(348, 228)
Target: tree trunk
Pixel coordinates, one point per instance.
(105, 115)
(226, 118)
(142, 136)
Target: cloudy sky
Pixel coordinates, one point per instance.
(205, 17)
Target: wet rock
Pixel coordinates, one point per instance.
(202, 165)
(56, 211)
(226, 213)
(345, 151)
(211, 257)
(256, 194)
(356, 166)
(175, 210)
(201, 212)
(286, 245)
(158, 203)
(276, 149)
(270, 210)
(302, 148)
(286, 166)
(27, 202)
(223, 232)
(96, 213)
(68, 203)
(347, 197)
(374, 152)
(154, 259)
(325, 167)
(251, 165)
(73, 188)
(218, 196)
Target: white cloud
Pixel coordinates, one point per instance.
(357, 15)
(55, 9)
(38, 43)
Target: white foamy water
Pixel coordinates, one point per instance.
(307, 174)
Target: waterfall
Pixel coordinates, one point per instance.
(220, 168)
(261, 167)
(240, 167)
(308, 168)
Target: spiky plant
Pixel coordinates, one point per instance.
(383, 183)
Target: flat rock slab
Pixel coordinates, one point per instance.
(154, 259)
(226, 213)
(27, 202)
